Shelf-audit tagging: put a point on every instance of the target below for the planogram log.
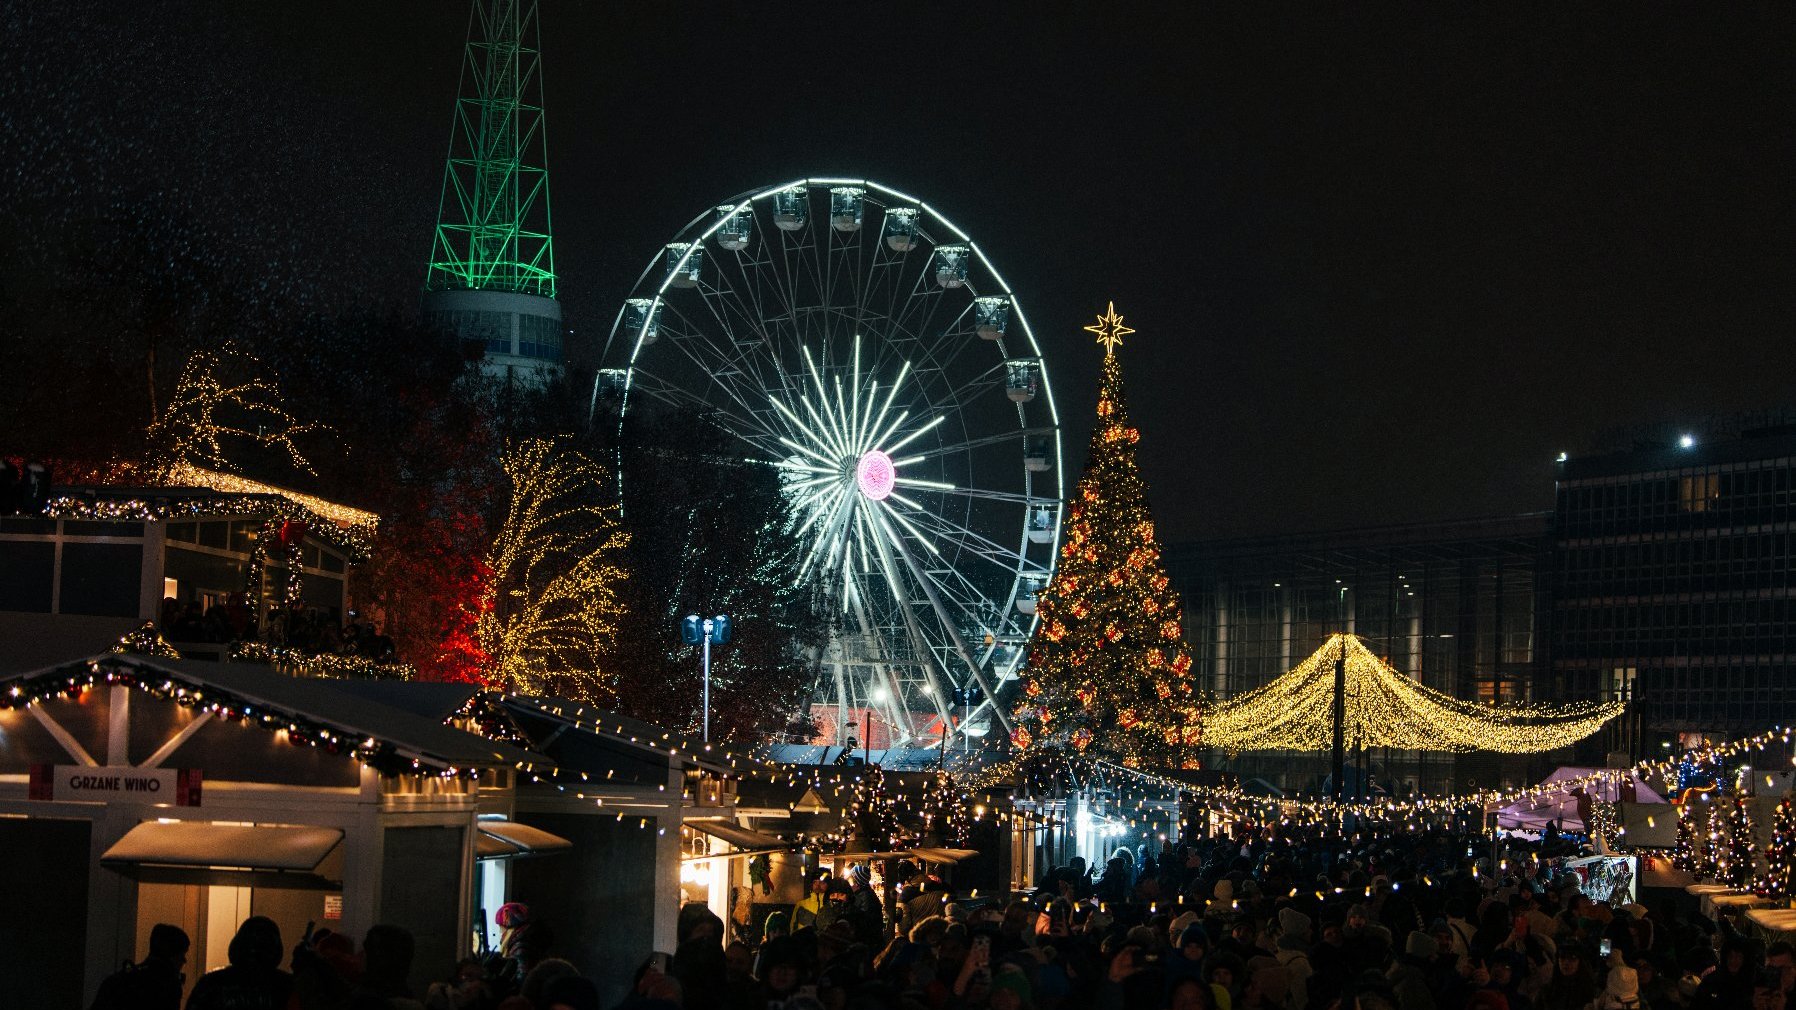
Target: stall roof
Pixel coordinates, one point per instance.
(205, 852)
(498, 839)
(342, 705)
(633, 733)
(434, 701)
(33, 642)
(740, 837)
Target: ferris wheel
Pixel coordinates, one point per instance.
(863, 346)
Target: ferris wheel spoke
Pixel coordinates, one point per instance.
(747, 426)
(922, 649)
(948, 448)
(946, 619)
(721, 369)
(983, 547)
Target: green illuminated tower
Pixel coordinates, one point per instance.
(491, 276)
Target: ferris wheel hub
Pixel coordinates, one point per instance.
(875, 475)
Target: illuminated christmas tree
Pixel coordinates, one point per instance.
(1775, 881)
(1734, 842)
(1683, 855)
(1109, 674)
(945, 812)
(871, 823)
(1706, 863)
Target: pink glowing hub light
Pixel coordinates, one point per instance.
(875, 475)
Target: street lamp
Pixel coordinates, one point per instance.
(696, 630)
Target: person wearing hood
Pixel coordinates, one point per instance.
(1506, 969)
(1411, 976)
(1621, 991)
(1368, 943)
(254, 979)
(1730, 983)
(1293, 956)
(1573, 985)
(1223, 971)
(1187, 958)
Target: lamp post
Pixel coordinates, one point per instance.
(703, 631)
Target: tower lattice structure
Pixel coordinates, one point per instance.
(490, 278)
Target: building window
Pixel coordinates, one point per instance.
(1699, 492)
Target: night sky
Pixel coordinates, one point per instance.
(1384, 266)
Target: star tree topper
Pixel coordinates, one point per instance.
(1110, 330)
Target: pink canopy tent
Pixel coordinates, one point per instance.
(1563, 805)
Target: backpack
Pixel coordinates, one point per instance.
(136, 986)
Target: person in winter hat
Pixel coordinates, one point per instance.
(1621, 991)
(1294, 931)
(1410, 976)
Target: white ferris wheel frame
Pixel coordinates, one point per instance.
(858, 430)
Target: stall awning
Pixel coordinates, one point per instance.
(949, 856)
(737, 835)
(201, 852)
(499, 839)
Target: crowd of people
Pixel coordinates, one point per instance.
(1263, 920)
(306, 629)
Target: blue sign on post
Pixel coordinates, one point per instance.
(708, 631)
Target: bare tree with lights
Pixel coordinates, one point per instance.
(223, 401)
(1109, 675)
(550, 612)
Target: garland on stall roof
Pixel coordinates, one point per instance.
(381, 755)
(145, 640)
(357, 541)
(321, 664)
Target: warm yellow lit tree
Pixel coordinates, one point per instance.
(222, 400)
(1109, 674)
(550, 610)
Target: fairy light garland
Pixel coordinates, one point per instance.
(1389, 814)
(1385, 708)
(316, 664)
(294, 728)
(356, 541)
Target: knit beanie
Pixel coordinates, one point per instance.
(1293, 923)
(859, 875)
(1013, 980)
(1624, 983)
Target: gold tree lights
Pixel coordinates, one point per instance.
(1385, 708)
(1109, 673)
(548, 614)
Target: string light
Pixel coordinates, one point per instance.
(171, 505)
(292, 727)
(217, 386)
(550, 609)
(1385, 708)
